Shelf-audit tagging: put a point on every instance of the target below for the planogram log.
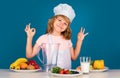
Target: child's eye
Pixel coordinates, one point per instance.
(59, 20)
(65, 24)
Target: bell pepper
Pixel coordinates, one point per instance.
(98, 64)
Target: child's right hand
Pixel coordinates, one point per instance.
(30, 31)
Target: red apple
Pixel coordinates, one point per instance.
(31, 62)
(36, 66)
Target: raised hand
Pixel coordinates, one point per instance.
(82, 34)
(30, 31)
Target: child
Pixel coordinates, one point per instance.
(60, 32)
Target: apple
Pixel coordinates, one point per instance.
(31, 62)
(36, 66)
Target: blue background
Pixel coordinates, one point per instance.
(101, 18)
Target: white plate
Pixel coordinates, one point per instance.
(99, 70)
(65, 75)
(35, 70)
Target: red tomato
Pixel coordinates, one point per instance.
(66, 71)
(61, 71)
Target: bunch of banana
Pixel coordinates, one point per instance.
(17, 67)
(16, 64)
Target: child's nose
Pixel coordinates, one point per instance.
(61, 24)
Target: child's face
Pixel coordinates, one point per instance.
(60, 24)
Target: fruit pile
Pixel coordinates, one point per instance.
(24, 64)
(59, 70)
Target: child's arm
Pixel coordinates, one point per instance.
(29, 49)
(75, 52)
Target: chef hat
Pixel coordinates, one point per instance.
(65, 9)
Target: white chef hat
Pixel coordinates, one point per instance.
(65, 9)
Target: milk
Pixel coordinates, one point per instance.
(85, 67)
(85, 64)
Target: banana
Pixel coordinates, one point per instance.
(20, 60)
(17, 62)
(12, 66)
(17, 67)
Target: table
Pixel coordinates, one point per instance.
(6, 73)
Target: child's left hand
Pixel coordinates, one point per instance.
(82, 34)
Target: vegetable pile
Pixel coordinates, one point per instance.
(59, 70)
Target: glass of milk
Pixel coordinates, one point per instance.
(85, 64)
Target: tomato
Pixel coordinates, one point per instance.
(61, 71)
(66, 71)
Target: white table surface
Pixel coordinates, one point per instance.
(6, 73)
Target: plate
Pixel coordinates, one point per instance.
(99, 70)
(65, 75)
(35, 70)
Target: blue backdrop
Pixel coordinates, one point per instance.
(101, 18)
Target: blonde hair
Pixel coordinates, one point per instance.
(67, 33)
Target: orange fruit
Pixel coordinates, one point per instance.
(23, 65)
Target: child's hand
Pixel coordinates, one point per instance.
(82, 34)
(30, 31)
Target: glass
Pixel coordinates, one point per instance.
(85, 64)
(49, 55)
